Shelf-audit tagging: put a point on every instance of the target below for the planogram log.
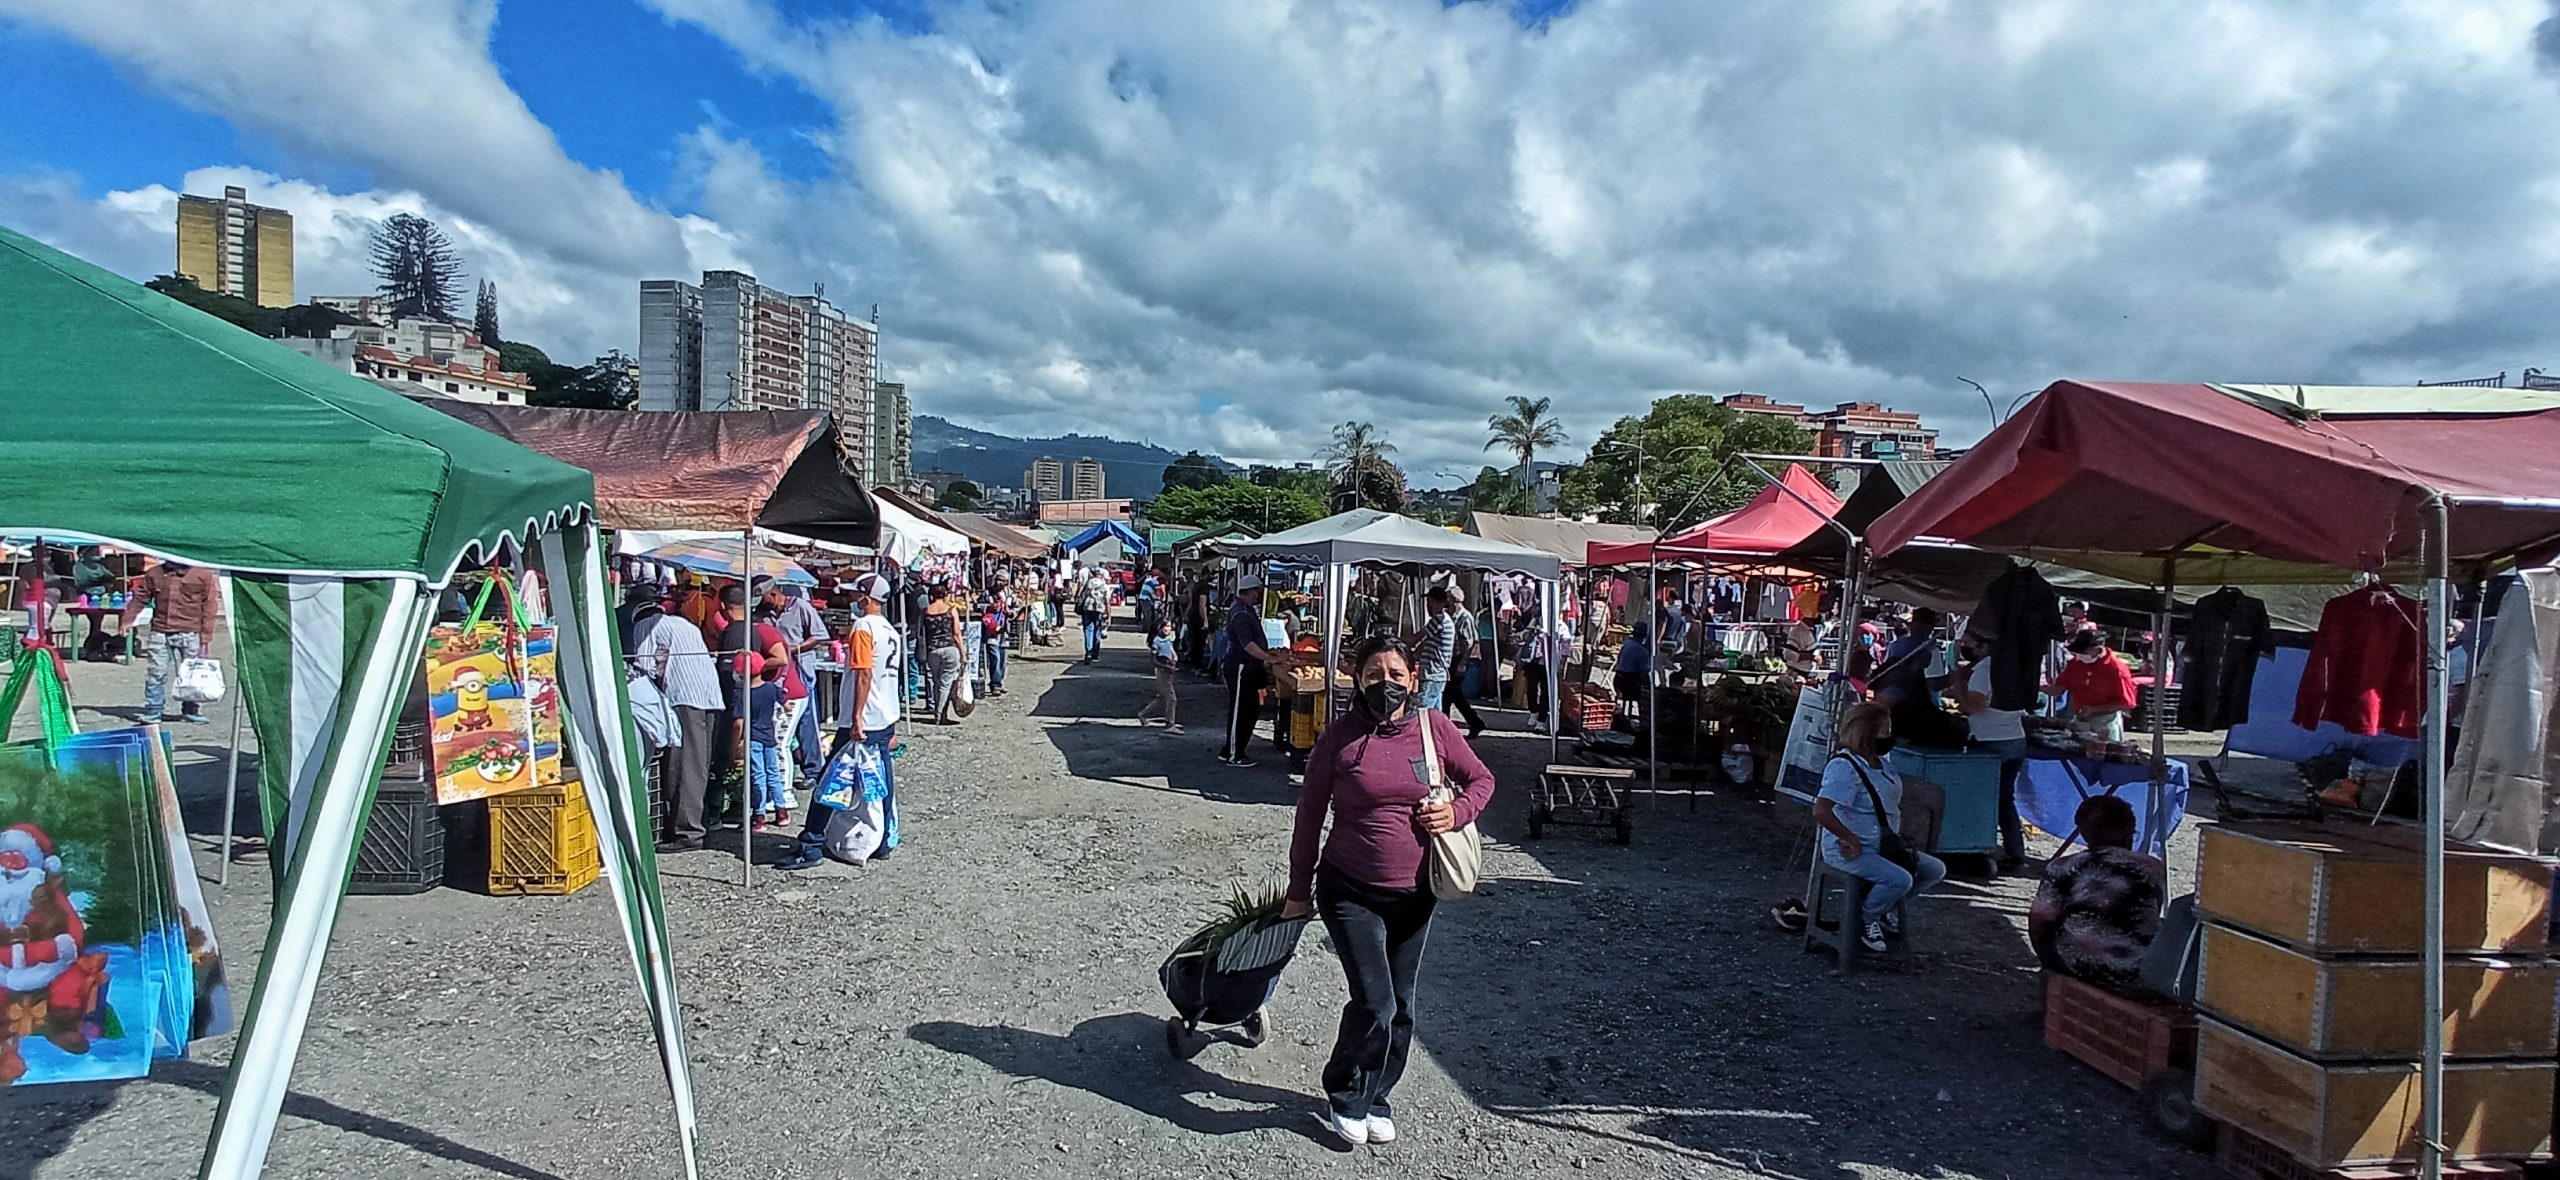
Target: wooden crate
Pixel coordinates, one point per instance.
(2243, 1156)
(2126, 1039)
(2356, 890)
(2329, 1115)
(2335, 1009)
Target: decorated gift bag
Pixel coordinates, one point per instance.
(100, 960)
(493, 699)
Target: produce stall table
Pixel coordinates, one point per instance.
(2053, 784)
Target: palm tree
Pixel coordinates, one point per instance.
(1358, 462)
(1523, 432)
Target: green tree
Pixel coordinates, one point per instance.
(515, 357)
(961, 496)
(420, 273)
(603, 384)
(1236, 501)
(484, 315)
(1496, 491)
(1308, 481)
(1524, 432)
(1363, 474)
(1685, 440)
(1193, 470)
(301, 319)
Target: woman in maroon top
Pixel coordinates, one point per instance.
(1368, 884)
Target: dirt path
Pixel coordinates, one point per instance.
(984, 1003)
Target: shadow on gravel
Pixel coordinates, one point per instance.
(1123, 1058)
(1088, 712)
(39, 1131)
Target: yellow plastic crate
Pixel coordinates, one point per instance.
(542, 841)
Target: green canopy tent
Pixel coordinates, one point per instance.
(337, 508)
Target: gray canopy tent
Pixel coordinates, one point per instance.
(1369, 539)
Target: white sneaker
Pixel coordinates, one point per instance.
(1381, 1129)
(1893, 922)
(1351, 1131)
(1873, 939)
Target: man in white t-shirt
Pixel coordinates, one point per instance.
(2002, 732)
(866, 713)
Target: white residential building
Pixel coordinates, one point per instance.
(733, 343)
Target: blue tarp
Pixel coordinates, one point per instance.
(1109, 530)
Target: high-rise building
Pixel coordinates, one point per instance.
(1084, 480)
(892, 435)
(733, 343)
(1046, 480)
(236, 248)
(670, 345)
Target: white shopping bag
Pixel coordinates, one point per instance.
(199, 681)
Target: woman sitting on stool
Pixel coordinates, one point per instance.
(1861, 798)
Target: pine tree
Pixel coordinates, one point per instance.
(420, 273)
(484, 315)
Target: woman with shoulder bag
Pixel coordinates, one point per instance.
(1374, 772)
(1859, 811)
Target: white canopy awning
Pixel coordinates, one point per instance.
(1369, 537)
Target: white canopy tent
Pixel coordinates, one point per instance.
(1370, 539)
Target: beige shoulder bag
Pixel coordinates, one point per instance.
(1457, 856)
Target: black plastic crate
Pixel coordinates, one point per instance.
(403, 848)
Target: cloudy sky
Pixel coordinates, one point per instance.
(1231, 223)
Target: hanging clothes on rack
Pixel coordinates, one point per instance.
(2227, 635)
(2364, 672)
(2504, 786)
(2021, 616)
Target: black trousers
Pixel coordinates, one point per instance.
(1244, 706)
(1454, 702)
(1379, 933)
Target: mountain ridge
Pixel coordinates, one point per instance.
(1130, 470)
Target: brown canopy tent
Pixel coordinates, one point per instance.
(722, 471)
(1569, 540)
(996, 535)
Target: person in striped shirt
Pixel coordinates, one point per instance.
(670, 650)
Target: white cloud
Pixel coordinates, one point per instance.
(1105, 214)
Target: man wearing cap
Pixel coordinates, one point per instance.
(627, 616)
(866, 712)
(1247, 671)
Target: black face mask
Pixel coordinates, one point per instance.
(1885, 745)
(1386, 699)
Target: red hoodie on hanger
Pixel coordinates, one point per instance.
(2364, 671)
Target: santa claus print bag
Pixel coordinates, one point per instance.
(103, 962)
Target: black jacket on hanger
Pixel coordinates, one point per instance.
(2022, 616)
(2227, 635)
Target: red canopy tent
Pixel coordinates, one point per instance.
(1772, 521)
(2273, 483)
(2247, 483)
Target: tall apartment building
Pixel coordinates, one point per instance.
(1046, 480)
(733, 343)
(893, 435)
(670, 345)
(1084, 480)
(236, 248)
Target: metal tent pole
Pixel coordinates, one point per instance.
(2160, 668)
(1336, 591)
(1548, 593)
(231, 793)
(746, 688)
(2437, 524)
(1653, 668)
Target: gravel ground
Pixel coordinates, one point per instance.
(984, 1004)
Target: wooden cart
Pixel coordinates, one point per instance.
(1584, 796)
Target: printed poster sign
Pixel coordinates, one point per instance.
(495, 708)
(1808, 742)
